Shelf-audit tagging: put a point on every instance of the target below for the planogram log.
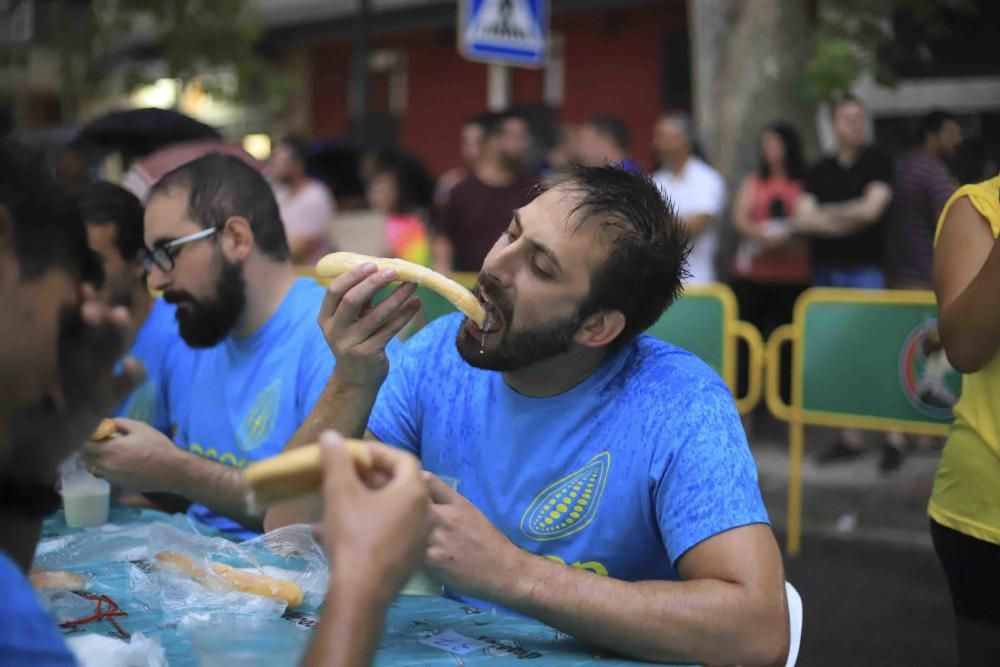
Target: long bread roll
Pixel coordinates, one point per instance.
(246, 582)
(293, 473)
(104, 430)
(337, 263)
(67, 581)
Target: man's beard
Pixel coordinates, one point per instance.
(512, 164)
(517, 349)
(204, 323)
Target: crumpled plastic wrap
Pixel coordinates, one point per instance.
(106, 544)
(94, 650)
(290, 553)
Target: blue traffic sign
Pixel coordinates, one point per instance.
(510, 32)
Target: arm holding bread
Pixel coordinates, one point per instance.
(357, 335)
(140, 458)
(374, 538)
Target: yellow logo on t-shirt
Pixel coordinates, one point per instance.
(569, 505)
(260, 418)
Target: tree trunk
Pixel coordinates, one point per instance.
(747, 61)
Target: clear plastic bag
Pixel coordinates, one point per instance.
(192, 582)
(99, 546)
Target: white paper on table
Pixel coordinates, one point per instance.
(454, 642)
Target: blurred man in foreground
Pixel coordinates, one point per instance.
(59, 345)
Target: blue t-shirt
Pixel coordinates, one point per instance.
(153, 346)
(620, 475)
(28, 635)
(242, 400)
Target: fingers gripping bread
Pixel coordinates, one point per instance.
(293, 473)
(105, 430)
(337, 263)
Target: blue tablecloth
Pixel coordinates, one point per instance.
(419, 631)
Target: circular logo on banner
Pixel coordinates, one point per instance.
(929, 382)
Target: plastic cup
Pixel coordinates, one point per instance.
(248, 642)
(421, 583)
(86, 499)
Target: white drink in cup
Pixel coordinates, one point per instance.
(422, 583)
(86, 498)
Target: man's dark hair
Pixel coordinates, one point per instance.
(794, 167)
(45, 221)
(221, 186)
(414, 183)
(104, 203)
(933, 123)
(842, 100)
(493, 122)
(480, 120)
(613, 127)
(298, 147)
(647, 244)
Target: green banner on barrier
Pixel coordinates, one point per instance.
(696, 322)
(880, 360)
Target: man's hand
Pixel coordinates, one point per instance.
(358, 333)
(466, 552)
(139, 458)
(375, 528)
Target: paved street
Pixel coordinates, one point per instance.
(871, 586)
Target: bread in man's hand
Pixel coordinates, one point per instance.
(294, 473)
(105, 430)
(337, 263)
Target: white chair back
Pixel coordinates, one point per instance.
(794, 623)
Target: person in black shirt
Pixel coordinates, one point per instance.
(845, 209)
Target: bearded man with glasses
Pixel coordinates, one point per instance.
(256, 361)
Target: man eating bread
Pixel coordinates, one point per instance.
(607, 488)
(257, 362)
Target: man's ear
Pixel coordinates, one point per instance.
(600, 329)
(237, 238)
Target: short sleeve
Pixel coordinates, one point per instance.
(706, 483)
(396, 415)
(714, 193)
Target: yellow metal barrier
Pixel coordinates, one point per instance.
(704, 321)
(749, 334)
(879, 329)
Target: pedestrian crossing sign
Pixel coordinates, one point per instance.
(509, 32)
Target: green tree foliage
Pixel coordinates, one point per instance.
(853, 34)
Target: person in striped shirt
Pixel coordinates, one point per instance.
(922, 185)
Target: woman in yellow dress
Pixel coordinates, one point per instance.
(965, 503)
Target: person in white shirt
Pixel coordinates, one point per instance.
(305, 204)
(697, 191)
